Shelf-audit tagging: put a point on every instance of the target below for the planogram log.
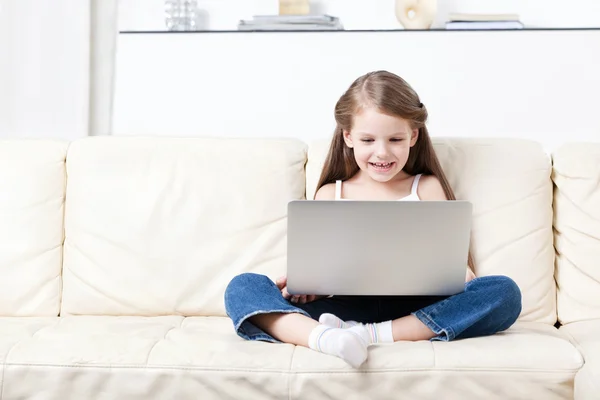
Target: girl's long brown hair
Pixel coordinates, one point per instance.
(392, 95)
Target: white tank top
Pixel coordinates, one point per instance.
(413, 196)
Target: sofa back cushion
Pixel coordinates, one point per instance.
(508, 182)
(576, 176)
(32, 192)
(158, 226)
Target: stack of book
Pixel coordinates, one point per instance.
(483, 21)
(291, 23)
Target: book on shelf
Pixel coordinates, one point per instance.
(464, 17)
(295, 19)
(484, 25)
(461, 21)
(290, 23)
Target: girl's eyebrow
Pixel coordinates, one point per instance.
(393, 134)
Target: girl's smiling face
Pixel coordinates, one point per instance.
(381, 143)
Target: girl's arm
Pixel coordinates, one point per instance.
(326, 192)
(470, 275)
(430, 189)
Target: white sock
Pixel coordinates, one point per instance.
(335, 322)
(380, 332)
(341, 343)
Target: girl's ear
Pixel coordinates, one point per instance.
(413, 137)
(347, 138)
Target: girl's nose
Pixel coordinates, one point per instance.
(381, 150)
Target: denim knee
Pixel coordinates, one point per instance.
(241, 286)
(510, 297)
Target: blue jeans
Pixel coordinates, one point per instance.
(488, 305)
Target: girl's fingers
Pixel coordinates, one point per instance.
(302, 299)
(281, 282)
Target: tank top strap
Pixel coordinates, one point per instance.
(338, 190)
(413, 190)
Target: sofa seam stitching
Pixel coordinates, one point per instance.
(175, 367)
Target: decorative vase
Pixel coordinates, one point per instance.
(294, 7)
(416, 14)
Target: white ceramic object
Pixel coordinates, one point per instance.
(416, 14)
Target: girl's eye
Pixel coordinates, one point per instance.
(366, 140)
(396, 140)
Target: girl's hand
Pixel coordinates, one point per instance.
(470, 275)
(302, 299)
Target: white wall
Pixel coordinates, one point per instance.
(44, 68)
(363, 14)
(539, 85)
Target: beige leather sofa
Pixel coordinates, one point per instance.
(115, 252)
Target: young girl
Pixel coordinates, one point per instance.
(380, 150)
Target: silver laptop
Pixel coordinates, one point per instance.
(377, 247)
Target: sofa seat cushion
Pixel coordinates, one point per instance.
(201, 357)
(586, 337)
